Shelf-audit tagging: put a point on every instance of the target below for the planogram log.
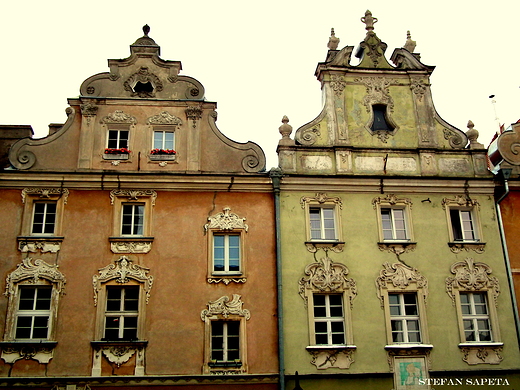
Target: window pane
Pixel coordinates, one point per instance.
(322, 339)
(27, 296)
(43, 300)
(40, 327)
(455, 225)
(338, 338)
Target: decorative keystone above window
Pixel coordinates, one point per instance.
(471, 290)
(132, 220)
(323, 223)
(225, 346)
(464, 229)
(42, 219)
(395, 224)
(33, 291)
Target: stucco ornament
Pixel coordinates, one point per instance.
(400, 276)
(224, 307)
(410, 44)
(455, 140)
(333, 40)
(338, 358)
(391, 199)
(472, 276)
(327, 276)
(164, 118)
(338, 84)
(226, 220)
(320, 197)
(310, 135)
(460, 200)
(119, 116)
(123, 270)
(46, 193)
(133, 195)
(32, 271)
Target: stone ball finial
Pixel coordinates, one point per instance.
(285, 131)
(146, 29)
(369, 20)
(410, 44)
(333, 40)
(472, 135)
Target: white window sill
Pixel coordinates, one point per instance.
(329, 347)
(408, 346)
(477, 344)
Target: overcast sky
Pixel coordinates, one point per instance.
(257, 60)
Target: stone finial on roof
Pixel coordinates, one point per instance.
(369, 20)
(410, 44)
(146, 29)
(333, 40)
(472, 135)
(145, 43)
(285, 131)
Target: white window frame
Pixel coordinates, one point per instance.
(226, 360)
(322, 219)
(121, 314)
(163, 133)
(323, 201)
(458, 224)
(34, 312)
(329, 319)
(227, 256)
(393, 218)
(33, 196)
(474, 317)
(117, 129)
(134, 216)
(46, 214)
(463, 203)
(403, 319)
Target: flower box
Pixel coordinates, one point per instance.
(121, 156)
(162, 157)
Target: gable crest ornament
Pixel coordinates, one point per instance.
(33, 271)
(143, 76)
(226, 220)
(327, 276)
(224, 307)
(471, 275)
(122, 271)
(400, 276)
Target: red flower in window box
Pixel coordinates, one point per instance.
(117, 151)
(163, 151)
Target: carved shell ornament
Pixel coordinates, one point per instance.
(122, 271)
(118, 116)
(226, 220)
(320, 197)
(34, 271)
(46, 193)
(400, 276)
(133, 195)
(164, 118)
(224, 307)
(327, 276)
(472, 276)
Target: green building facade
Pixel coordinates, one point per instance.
(392, 269)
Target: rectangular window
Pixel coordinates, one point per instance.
(163, 140)
(393, 223)
(32, 316)
(225, 341)
(122, 313)
(463, 225)
(44, 218)
(118, 139)
(404, 318)
(132, 219)
(226, 253)
(475, 316)
(329, 320)
(322, 223)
